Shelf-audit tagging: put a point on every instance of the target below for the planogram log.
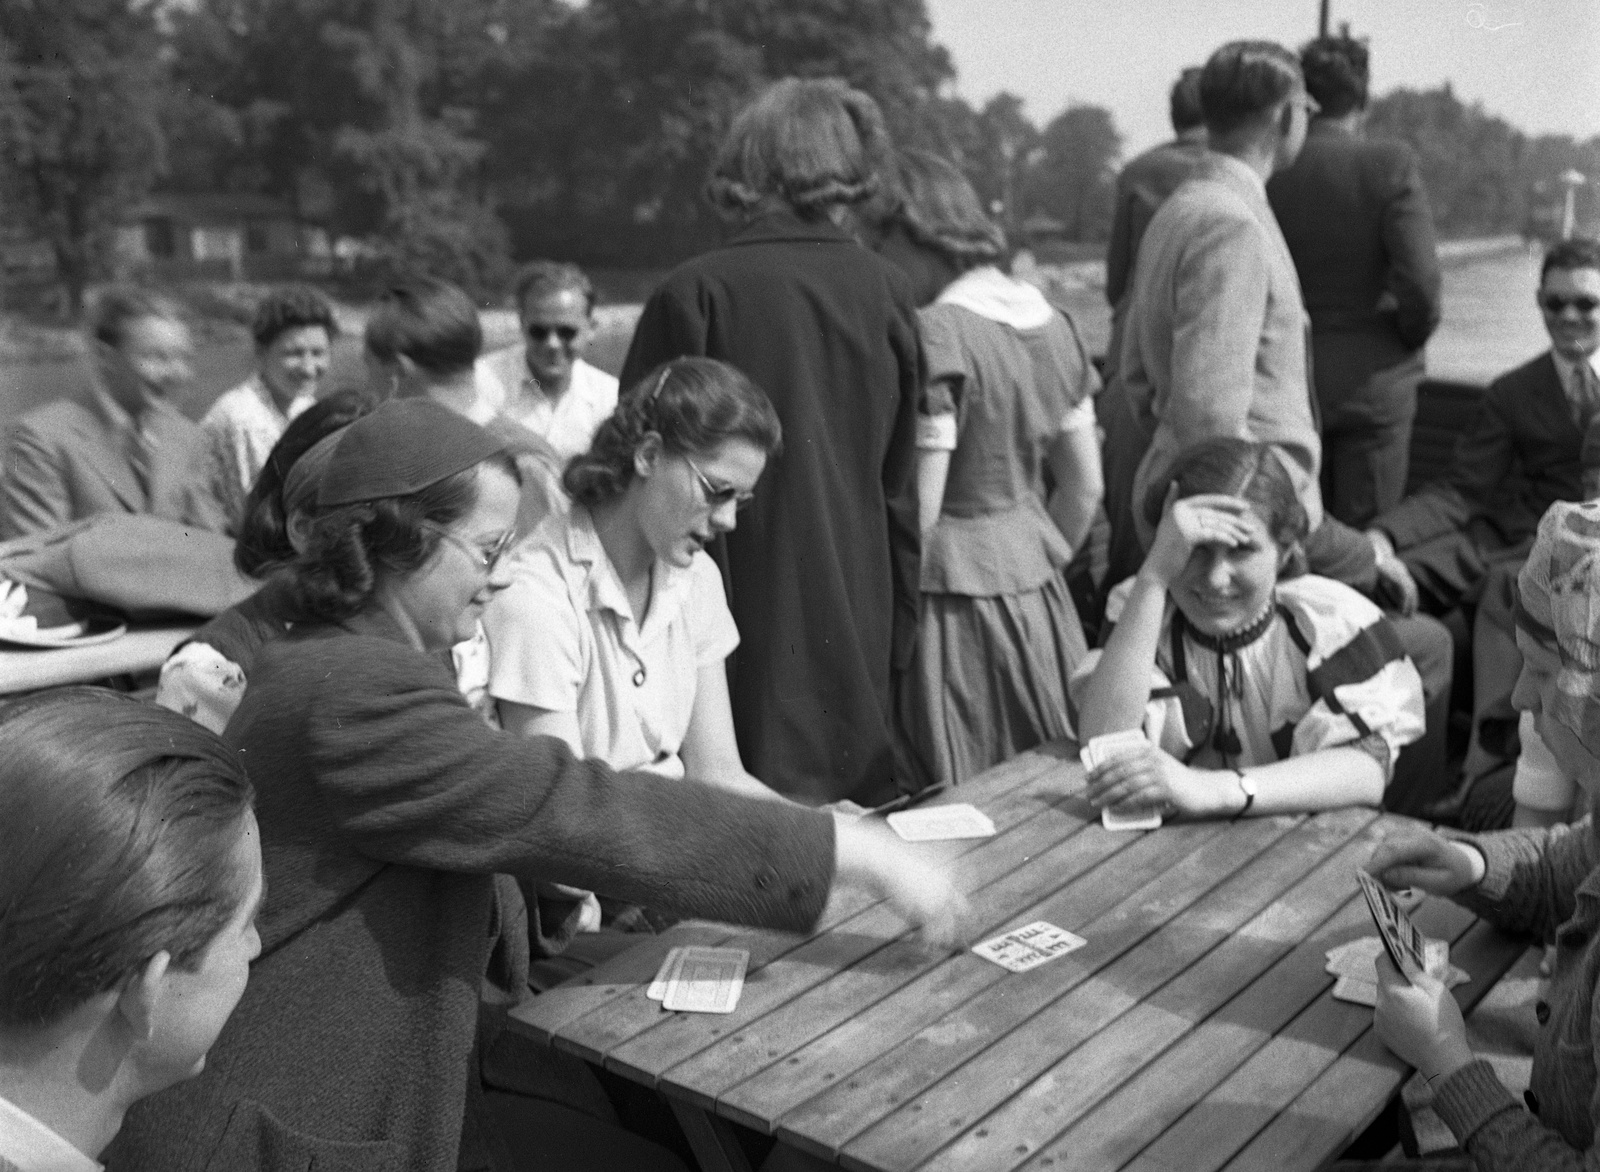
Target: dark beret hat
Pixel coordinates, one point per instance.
(401, 448)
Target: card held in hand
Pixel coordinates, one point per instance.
(1108, 747)
(706, 980)
(1406, 946)
(1029, 946)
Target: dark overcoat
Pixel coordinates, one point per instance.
(822, 570)
(386, 807)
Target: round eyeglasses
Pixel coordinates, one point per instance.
(718, 495)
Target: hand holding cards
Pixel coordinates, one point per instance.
(1106, 748)
(1406, 946)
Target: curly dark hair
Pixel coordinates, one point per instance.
(1336, 74)
(348, 547)
(291, 307)
(1241, 468)
(939, 209)
(810, 143)
(263, 544)
(693, 404)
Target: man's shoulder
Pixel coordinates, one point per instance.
(59, 418)
(1540, 370)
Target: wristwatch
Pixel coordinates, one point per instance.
(1249, 788)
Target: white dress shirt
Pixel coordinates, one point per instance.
(26, 1145)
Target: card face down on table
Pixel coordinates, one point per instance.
(700, 980)
(937, 823)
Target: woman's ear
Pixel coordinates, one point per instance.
(1291, 561)
(646, 455)
(141, 996)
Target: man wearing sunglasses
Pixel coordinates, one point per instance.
(549, 388)
(1464, 538)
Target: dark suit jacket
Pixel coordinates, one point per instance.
(1520, 455)
(822, 572)
(64, 463)
(1356, 219)
(386, 806)
(1143, 186)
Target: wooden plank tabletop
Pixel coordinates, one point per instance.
(140, 649)
(1194, 1030)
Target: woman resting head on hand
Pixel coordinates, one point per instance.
(130, 877)
(1543, 881)
(1258, 692)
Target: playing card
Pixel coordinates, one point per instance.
(1145, 820)
(1352, 963)
(933, 823)
(1108, 746)
(1029, 946)
(658, 987)
(1405, 945)
(706, 980)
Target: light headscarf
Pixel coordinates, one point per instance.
(1558, 605)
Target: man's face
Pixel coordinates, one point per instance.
(1570, 302)
(557, 328)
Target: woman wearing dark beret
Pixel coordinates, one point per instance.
(386, 806)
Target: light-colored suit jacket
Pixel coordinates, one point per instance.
(66, 461)
(1215, 337)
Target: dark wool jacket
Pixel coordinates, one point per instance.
(386, 806)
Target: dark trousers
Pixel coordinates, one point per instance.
(1366, 428)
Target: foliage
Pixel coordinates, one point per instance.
(80, 123)
(1073, 178)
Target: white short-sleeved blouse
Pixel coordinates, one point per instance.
(563, 637)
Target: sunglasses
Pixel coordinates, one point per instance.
(485, 559)
(567, 334)
(717, 496)
(1555, 303)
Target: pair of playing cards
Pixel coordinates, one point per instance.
(936, 823)
(700, 980)
(1357, 982)
(1108, 747)
(1029, 946)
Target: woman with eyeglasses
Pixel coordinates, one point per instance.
(614, 631)
(387, 806)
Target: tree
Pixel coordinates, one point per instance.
(80, 129)
(1073, 177)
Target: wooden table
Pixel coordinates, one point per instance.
(1195, 1030)
(141, 649)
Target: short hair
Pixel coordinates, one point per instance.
(291, 307)
(693, 404)
(119, 306)
(1183, 103)
(1241, 468)
(939, 209)
(431, 322)
(1335, 70)
(349, 546)
(119, 822)
(812, 144)
(542, 278)
(1244, 80)
(263, 543)
(1575, 252)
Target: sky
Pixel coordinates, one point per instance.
(1535, 63)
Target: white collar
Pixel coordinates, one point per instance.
(606, 591)
(32, 1147)
(1241, 169)
(1568, 369)
(988, 292)
(263, 393)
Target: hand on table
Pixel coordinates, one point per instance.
(1420, 858)
(918, 888)
(1420, 1021)
(1148, 777)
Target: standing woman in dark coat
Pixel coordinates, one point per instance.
(386, 806)
(822, 571)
